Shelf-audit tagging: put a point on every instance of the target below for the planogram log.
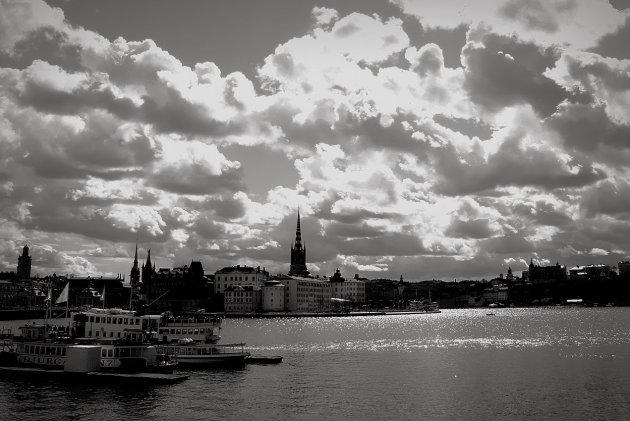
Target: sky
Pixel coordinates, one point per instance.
(446, 140)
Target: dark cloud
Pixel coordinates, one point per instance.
(588, 130)
(194, 178)
(495, 80)
(615, 44)
(389, 244)
(511, 165)
(477, 229)
(47, 44)
(607, 198)
(541, 213)
(468, 127)
(351, 230)
(506, 245)
(533, 14)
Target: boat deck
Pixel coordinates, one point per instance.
(95, 375)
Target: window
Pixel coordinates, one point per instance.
(109, 320)
(126, 321)
(118, 334)
(91, 319)
(98, 319)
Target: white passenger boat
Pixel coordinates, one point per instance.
(189, 339)
(40, 347)
(199, 354)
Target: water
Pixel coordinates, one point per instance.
(547, 363)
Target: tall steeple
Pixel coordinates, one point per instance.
(298, 253)
(298, 234)
(134, 276)
(147, 269)
(24, 264)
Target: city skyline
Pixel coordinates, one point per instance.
(437, 142)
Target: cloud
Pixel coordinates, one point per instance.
(576, 23)
(606, 79)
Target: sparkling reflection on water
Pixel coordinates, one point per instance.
(548, 363)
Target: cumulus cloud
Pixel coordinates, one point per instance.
(401, 163)
(578, 23)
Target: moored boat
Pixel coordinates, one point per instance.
(200, 354)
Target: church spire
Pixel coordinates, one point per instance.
(298, 234)
(135, 271)
(298, 253)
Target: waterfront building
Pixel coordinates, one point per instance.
(178, 289)
(242, 299)
(306, 294)
(347, 289)
(298, 254)
(590, 272)
(273, 296)
(546, 274)
(24, 265)
(239, 275)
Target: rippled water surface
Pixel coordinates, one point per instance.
(550, 363)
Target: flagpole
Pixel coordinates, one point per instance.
(68, 298)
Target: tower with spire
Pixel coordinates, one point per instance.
(24, 264)
(134, 276)
(147, 269)
(298, 253)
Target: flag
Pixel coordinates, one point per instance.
(63, 297)
(103, 294)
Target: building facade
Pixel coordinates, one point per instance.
(306, 294)
(239, 275)
(242, 299)
(546, 274)
(273, 296)
(347, 289)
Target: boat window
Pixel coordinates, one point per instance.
(196, 331)
(27, 349)
(91, 319)
(97, 332)
(103, 352)
(63, 351)
(137, 322)
(179, 331)
(98, 319)
(126, 321)
(120, 320)
(118, 334)
(89, 333)
(58, 350)
(110, 352)
(109, 320)
(111, 334)
(36, 349)
(201, 330)
(172, 331)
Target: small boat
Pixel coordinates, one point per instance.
(201, 354)
(490, 314)
(263, 359)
